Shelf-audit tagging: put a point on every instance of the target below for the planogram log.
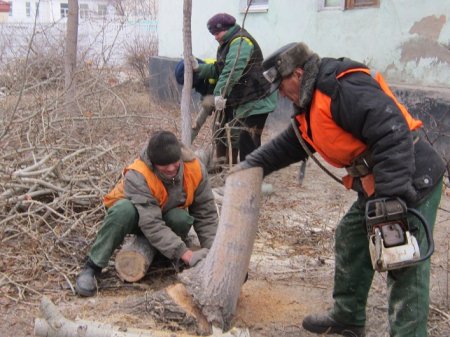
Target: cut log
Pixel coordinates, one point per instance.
(134, 258)
(215, 283)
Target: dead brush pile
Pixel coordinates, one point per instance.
(55, 166)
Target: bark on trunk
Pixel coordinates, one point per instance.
(215, 283)
(134, 259)
(172, 306)
(54, 324)
(70, 57)
(186, 119)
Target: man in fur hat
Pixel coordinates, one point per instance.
(161, 195)
(347, 114)
(241, 91)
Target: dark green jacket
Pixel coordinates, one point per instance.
(238, 69)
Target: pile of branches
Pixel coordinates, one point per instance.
(51, 208)
(55, 167)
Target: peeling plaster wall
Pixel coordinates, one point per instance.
(407, 40)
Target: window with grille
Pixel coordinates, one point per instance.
(102, 10)
(64, 10)
(84, 11)
(28, 9)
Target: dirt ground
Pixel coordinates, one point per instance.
(290, 274)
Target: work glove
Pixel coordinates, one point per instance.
(194, 63)
(197, 256)
(208, 104)
(219, 102)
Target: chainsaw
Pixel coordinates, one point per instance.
(391, 244)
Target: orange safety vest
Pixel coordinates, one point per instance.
(192, 176)
(337, 146)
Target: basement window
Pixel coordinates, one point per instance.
(324, 5)
(354, 4)
(254, 6)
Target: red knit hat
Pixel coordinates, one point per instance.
(220, 22)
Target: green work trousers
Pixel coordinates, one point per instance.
(408, 288)
(122, 219)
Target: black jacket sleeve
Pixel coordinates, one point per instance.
(280, 152)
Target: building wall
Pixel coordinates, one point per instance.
(407, 40)
(49, 10)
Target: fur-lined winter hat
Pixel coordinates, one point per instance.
(283, 62)
(220, 22)
(163, 148)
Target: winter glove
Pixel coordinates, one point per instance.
(219, 102)
(208, 104)
(197, 256)
(194, 63)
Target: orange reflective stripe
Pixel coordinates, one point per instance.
(413, 123)
(337, 146)
(114, 195)
(192, 176)
(354, 70)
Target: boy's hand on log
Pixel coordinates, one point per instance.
(197, 256)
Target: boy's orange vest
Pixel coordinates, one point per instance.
(192, 175)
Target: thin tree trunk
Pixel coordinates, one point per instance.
(70, 55)
(186, 119)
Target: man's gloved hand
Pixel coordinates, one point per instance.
(219, 102)
(238, 167)
(194, 63)
(208, 104)
(197, 256)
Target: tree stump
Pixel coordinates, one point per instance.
(134, 258)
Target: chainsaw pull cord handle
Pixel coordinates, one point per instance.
(428, 233)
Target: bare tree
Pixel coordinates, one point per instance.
(187, 87)
(70, 57)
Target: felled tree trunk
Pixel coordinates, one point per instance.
(54, 324)
(134, 258)
(211, 289)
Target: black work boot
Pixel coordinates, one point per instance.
(324, 324)
(86, 284)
